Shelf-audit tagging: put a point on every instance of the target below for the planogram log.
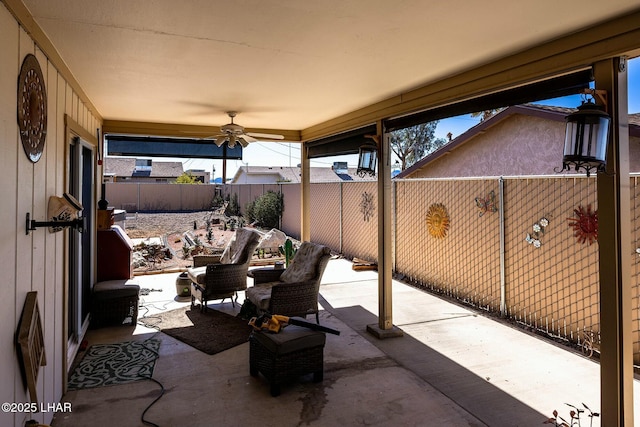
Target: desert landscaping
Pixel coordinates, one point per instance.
(167, 241)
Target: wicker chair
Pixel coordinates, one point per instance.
(295, 291)
(223, 279)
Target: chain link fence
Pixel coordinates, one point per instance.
(512, 246)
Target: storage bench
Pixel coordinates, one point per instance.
(114, 302)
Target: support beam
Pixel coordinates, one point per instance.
(305, 190)
(616, 359)
(384, 328)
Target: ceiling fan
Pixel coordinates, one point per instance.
(233, 133)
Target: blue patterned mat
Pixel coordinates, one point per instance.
(111, 364)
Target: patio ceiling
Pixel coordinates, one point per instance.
(286, 65)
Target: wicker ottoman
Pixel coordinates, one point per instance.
(114, 302)
(287, 355)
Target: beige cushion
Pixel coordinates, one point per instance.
(304, 264)
(261, 295)
(196, 275)
(234, 251)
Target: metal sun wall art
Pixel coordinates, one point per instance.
(438, 220)
(487, 205)
(366, 206)
(585, 224)
(538, 230)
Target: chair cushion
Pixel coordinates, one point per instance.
(197, 274)
(234, 252)
(304, 264)
(110, 289)
(292, 338)
(260, 295)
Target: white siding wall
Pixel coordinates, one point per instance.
(34, 262)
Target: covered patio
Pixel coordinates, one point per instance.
(454, 367)
(317, 74)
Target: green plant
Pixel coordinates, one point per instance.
(574, 413)
(217, 201)
(249, 211)
(187, 178)
(288, 251)
(233, 208)
(268, 209)
(186, 250)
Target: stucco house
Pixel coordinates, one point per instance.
(519, 140)
(330, 77)
(123, 169)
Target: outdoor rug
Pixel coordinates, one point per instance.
(210, 332)
(111, 364)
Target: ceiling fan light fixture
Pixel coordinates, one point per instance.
(232, 141)
(233, 133)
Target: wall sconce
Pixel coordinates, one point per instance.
(63, 212)
(587, 135)
(368, 157)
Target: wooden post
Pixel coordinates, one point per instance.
(616, 359)
(384, 328)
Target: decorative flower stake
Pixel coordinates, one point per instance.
(438, 220)
(585, 226)
(538, 231)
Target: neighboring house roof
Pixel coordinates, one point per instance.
(551, 113)
(123, 166)
(292, 174)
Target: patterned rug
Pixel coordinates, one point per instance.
(111, 364)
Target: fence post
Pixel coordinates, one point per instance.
(341, 223)
(503, 285)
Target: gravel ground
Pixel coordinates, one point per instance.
(170, 228)
(159, 224)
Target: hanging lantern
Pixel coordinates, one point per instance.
(586, 137)
(367, 159)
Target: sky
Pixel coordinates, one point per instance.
(288, 154)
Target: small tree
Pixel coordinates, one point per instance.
(233, 208)
(267, 209)
(187, 178)
(249, 211)
(217, 201)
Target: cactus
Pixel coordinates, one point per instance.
(288, 251)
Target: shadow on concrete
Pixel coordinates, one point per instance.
(476, 395)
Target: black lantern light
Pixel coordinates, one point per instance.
(367, 158)
(586, 137)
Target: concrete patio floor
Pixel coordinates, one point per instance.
(452, 367)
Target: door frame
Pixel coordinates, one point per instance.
(76, 134)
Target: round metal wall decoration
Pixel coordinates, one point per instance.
(438, 220)
(32, 108)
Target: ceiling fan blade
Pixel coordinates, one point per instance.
(265, 135)
(248, 138)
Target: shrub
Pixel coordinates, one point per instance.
(187, 178)
(233, 208)
(249, 211)
(267, 209)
